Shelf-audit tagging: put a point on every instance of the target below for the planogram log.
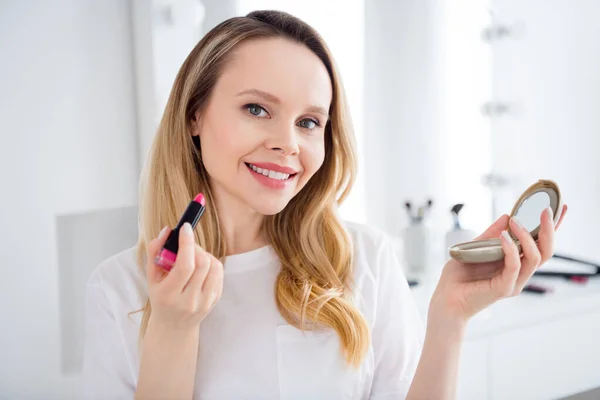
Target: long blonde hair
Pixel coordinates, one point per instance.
(315, 282)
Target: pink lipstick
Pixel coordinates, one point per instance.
(168, 255)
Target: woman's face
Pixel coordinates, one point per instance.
(262, 133)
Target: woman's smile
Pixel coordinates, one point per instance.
(272, 175)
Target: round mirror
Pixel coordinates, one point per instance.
(528, 210)
(531, 209)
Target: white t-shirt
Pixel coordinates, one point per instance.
(247, 350)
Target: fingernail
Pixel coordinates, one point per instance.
(162, 232)
(187, 229)
(506, 236)
(518, 223)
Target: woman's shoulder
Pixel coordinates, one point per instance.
(120, 277)
(368, 238)
(377, 269)
(374, 249)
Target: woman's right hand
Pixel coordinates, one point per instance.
(183, 297)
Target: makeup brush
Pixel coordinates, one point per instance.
(409, 210)
(455, 210)
(429, 205)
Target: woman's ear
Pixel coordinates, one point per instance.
(196, 141)
(195, 128)
(196, 124)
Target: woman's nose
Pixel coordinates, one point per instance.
(284, 140)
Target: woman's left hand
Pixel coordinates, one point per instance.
(464, 290)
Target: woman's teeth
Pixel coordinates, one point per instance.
(271, 174)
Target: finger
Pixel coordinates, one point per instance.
(562, 216)
(531, 254)
(185, 263)
(153, 271)
(220, 282)
(504, 284)
(194, 285)
(495, 229)
(213, 285)
(484, 271)
(156, 244)
(546, 235)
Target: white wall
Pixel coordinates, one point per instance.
(551, 129)
(217, 11)
(69, 146)
(403, 144)
(465, 85)
(163, 34)
(426, 76)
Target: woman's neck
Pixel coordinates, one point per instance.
(242, 234)
(241, 225)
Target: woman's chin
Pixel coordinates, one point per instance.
(267, 206)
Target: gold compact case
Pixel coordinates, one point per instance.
(527, 209)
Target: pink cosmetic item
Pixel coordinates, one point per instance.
(167, 256)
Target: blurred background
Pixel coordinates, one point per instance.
(454, 101)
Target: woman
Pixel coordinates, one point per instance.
(272, 296)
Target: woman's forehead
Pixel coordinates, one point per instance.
(287, 70)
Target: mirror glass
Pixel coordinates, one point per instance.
(530, 211)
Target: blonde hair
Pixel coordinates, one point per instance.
(315, 282)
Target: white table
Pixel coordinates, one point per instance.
(532, 346)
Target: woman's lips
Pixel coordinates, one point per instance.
(272, 183)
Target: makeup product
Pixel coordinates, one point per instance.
(577, 278)
(409, 212)
(167, 256)
(457, 234)
(527, 209)
(417, 241)
(421, 212)
(531, 288)
(578, 261)
(570, 268)
(455, 210)
(408, 206)
(428, 206)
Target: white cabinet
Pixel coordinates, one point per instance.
(473, 371)
(546, 361)
(533, 347)
(530, 347)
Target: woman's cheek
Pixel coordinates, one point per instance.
(313, 159)
(318, 157)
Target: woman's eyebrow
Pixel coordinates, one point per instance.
(319, 110)
(268, 96)
(274, 99)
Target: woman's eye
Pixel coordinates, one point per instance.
(308, 123)
(255, 110)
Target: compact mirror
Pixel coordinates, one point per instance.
(527, 210)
